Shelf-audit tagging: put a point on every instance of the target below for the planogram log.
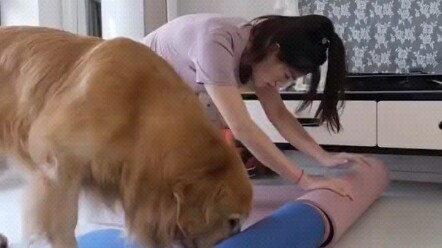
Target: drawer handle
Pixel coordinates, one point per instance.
(440, 125)
(309, 122)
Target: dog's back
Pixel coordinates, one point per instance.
(42, 69)
(99, 97)
(33, 65)
(33, 58)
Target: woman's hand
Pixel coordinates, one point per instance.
(332, 160)
(339, 186)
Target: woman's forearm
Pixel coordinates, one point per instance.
(260, 145)
(290, 128)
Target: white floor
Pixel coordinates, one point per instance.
(407, 215)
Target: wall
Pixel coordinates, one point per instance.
(129, 18)
(132, 18)
(155, 14)
(19, 12)
(50, 13)
(32, 13)
(122, 18)
(244, 8)
(70, 15)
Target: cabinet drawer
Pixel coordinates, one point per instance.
(358, 119)
(416, 125)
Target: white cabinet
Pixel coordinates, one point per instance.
(358, 119)
(386, 124)
(410, 124)
(382, 125)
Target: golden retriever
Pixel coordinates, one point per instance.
(112, 118)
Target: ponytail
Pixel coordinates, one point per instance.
(333, 90)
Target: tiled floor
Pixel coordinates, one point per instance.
(10, 212)
(407, 215)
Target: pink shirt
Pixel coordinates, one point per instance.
(202, 48)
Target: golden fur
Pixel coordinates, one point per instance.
(113, 118)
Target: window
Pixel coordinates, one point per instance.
(94, 23)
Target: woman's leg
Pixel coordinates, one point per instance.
(242, 151)
(219, 123)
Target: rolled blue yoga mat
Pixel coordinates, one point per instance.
(294, 225)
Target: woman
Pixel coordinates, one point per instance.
(220, 55)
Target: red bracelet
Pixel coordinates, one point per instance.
(300, 177)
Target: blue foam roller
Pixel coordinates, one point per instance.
(106, 238)
(294, 225)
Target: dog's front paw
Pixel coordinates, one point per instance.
(3, 241)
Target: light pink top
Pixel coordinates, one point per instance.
(202, 48)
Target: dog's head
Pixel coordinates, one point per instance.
(199, 200)
(211, 208)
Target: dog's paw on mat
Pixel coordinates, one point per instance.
(3, 241)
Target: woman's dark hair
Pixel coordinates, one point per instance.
(303, 45)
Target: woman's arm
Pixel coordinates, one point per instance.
(231, 106)
(229, 102)
(287, 125)
(290, 128)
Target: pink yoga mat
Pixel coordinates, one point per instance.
(368, 184)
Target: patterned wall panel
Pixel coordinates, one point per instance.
(386, 36)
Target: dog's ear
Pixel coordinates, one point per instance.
(193, 209)
(211, 202)
(154, 221)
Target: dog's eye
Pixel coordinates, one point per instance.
(235, 224)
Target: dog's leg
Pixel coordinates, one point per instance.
(52, 214)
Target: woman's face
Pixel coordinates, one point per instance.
(272, 72)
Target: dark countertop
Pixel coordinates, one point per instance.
(431, 95)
